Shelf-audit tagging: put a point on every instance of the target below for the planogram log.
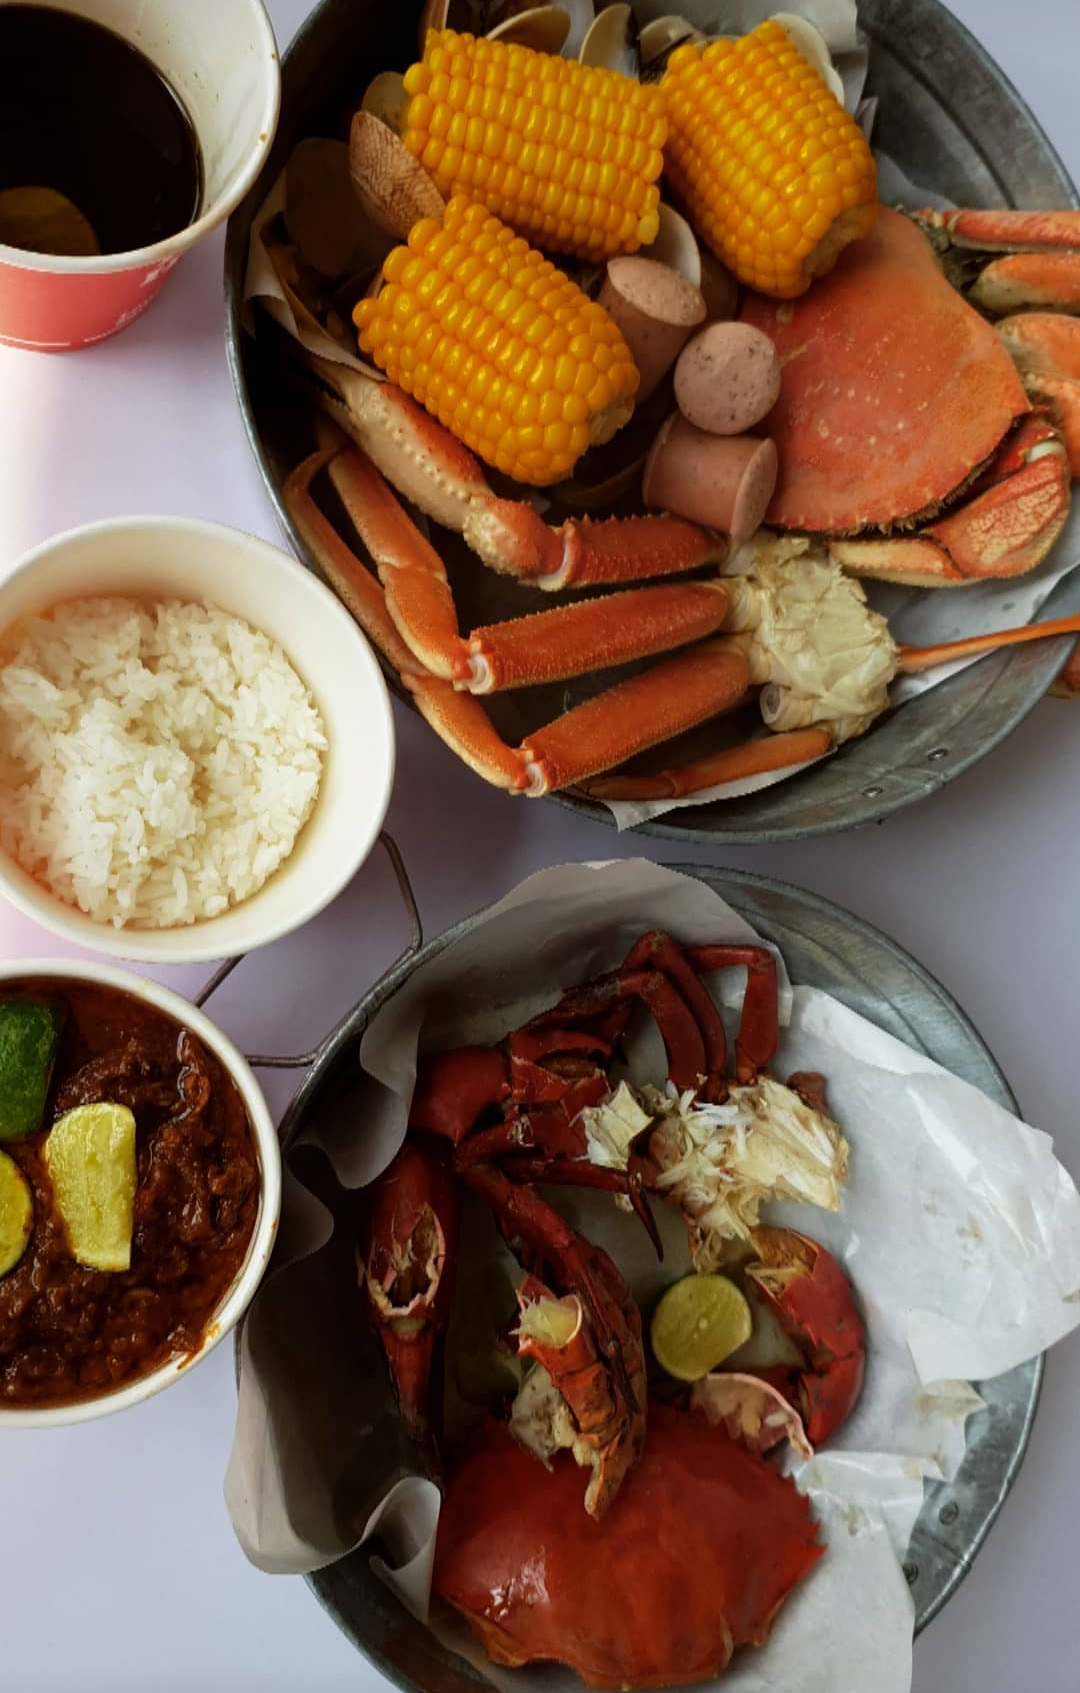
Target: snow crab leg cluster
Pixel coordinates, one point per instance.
(781, 622)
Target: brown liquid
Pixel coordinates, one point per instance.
(86, 115)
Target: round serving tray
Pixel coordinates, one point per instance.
(825, 947)
(952, 121)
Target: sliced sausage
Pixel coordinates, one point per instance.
(727, 378)
(656, 309)
(722, 481)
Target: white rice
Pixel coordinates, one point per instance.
(157, 762)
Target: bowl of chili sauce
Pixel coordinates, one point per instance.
(140, 1185)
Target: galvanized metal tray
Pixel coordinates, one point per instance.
(823, 946)
(953, 122)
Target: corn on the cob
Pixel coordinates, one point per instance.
(500, 345)
(776, 175)
(567, 154)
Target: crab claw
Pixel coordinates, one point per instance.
(406, 1266)
(590, 1343)
(1045, 347)
(812, 1301)
(569, 1400)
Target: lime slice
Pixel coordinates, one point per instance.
(698, 1323)
(90, 1157)
(16, 1213)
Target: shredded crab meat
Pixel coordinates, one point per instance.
(411, 1275)
(541, 1422)
(820, 655)
(719, 1162)
(611, 1128)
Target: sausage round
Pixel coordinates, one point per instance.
(656, 309)
(727, 378)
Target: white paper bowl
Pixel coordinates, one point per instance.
(159, 557)
(264, 1234)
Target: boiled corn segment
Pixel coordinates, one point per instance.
(568, 154)
(498, 344)
(774, 172)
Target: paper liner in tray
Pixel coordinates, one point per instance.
(960, 1231)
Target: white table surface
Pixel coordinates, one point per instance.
(118, 1569)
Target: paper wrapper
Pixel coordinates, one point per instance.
(263, 285)
(959, 1229)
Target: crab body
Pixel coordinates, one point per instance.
(903, 427)
(695, 1557)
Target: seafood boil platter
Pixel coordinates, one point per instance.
(873, 976)
(875, 765)
(649, 1278)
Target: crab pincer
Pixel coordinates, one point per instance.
(406, 1262)
(812, 1300)
(602, 1432)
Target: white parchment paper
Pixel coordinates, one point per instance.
(959, 1228)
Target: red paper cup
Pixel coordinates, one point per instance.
(222, 61)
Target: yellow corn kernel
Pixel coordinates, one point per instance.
(776, 175)
(498, 344)
(553, 128)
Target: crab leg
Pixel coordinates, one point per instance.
(1040, 262)
(916, 659)
(530, 1225)
(1019, 281)
(680, 1031)
(554, 1332)
(575, 640)
(1006, 230)
(424, 462)
(568, 641)
(733, 764)
(660, 952)
(759, 1027)
(1014, 516)
(674, 695)
(578, 1172)
(1045, 347)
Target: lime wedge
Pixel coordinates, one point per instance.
(16, 1213)
(698, 1323)
(90, 1157)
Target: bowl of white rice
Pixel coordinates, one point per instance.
(196, 741)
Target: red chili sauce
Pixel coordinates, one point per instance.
(67, 1332)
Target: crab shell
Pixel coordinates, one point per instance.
(895, 392)
(695, 1557)
(811, 1298)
